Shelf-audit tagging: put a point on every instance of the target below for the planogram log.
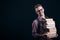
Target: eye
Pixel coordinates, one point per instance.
(41, 9)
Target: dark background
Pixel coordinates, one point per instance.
(17, 17)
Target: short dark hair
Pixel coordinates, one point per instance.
(37, 5)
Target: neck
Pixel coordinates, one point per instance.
(40, 17)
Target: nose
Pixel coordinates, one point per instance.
(40, 13)
(38, 10)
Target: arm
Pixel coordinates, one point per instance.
(34, 27)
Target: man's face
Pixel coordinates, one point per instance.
(40, 11)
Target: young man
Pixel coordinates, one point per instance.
(40, 12)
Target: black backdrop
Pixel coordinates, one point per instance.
(17, 16)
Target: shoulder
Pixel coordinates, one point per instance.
(35, 21)
(46, 17)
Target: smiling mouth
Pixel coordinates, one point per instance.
(40, 14)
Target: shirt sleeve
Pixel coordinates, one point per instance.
(34, 27)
